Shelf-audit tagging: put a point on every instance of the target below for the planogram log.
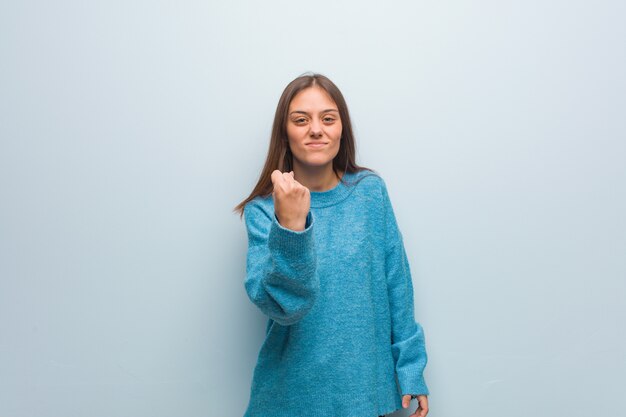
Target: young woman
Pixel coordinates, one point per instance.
(326, 263)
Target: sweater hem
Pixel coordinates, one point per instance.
(340, 407)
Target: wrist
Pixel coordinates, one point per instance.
(297, 224)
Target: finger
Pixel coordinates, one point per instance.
(288, 177)
(423, 408)
(276, 177)
(406, 401)
(419, 412)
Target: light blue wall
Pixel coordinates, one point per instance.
(129, 130)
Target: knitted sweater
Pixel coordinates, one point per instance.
(341, 339)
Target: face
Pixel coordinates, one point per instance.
(313, 127)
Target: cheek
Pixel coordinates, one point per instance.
(337, 132)
(290, 133)
(296, 143)
(294, 133)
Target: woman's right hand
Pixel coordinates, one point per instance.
(292, 200)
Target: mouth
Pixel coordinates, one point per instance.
(316, 145)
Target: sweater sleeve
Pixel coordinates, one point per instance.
(407, 336)
(281, 264)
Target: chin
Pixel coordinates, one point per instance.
(316, 162)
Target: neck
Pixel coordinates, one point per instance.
(321, 178)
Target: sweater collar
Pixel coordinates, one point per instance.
(334, 195)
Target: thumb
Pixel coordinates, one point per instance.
(406, 401)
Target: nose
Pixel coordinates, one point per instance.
(316, 129)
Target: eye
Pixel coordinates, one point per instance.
(328, 119)
(299, 120)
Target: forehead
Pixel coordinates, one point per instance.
(312, 97)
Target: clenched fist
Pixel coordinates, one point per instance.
(292, 200)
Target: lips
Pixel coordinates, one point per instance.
(316, 145)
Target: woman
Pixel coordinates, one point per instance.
(326, 263)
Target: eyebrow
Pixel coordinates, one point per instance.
(323, 111)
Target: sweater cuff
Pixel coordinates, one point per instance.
(413, 385)
(292, 243)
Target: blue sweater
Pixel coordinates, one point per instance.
(341, 339)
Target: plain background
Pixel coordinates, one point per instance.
(130, 129)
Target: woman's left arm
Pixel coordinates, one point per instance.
(408, 343)
(407, 336)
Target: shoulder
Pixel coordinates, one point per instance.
(260, 208)
(370, 182)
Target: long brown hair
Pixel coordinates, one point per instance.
(279, 155)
